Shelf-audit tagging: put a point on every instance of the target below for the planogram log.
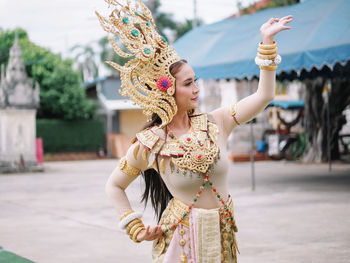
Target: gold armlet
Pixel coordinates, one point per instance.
(233, 112)
(127, 168)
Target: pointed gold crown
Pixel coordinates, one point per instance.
(145, 78)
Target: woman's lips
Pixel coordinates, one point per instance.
(195, 99)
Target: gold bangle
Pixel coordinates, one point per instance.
(134, 236)
(126, 214)
(132, 223)
(267, 56)
(267, 52)
(128, 169)
(135, 227)
(270, 68)
(272, 46)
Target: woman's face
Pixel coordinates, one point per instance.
(186, 90)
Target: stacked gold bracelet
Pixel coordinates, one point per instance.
(126, 214)
(267, 57)
(132, 223)
(134, 228)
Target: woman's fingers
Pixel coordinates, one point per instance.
(270, 20)
(286, 27)
(154, 230)
(286, 17)
(150, 233)
(159, 232)
(276, 19)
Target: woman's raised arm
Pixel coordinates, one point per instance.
(247, 108)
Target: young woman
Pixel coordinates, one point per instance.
(181, 154)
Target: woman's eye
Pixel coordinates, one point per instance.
(188, 84)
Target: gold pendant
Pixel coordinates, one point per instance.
(183, 257)
(197, 158)
(161, 246)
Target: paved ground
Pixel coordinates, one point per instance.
(298, 213)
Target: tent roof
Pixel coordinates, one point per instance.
(320, 35)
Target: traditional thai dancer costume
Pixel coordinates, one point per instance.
(193, 166)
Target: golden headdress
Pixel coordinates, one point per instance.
(145, 78)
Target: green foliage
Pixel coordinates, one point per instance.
(183, 28)
(163, 20)
(271, 4)
(6, 41)
(108, 54)
(85, 60)
(70, 136)
(61, 92)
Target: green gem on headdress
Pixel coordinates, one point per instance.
(125, 20)
(148, 24)
(147, 51)
(164, 39)
(135, 32)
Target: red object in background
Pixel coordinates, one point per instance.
(39, 150)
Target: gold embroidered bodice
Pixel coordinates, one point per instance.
(179, 165)
(193, 151)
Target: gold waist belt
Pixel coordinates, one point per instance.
(177, 209)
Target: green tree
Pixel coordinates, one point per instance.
(61, 92)
(162, 20)
(269, 4)
(183, 28)
(107, 53)
(85, 59)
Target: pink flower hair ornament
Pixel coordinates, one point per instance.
(163, 83)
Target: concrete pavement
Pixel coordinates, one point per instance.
(298, 213)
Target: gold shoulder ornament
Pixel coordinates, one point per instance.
(128, 169)
(145, 78)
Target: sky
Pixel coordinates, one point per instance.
(61, 24)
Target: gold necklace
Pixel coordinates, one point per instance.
(199, 149)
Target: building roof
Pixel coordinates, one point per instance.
(108, 95)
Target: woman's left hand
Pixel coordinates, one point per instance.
(273, 26)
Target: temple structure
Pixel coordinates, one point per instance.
(19, 99)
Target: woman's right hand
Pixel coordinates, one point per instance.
(150, 233)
